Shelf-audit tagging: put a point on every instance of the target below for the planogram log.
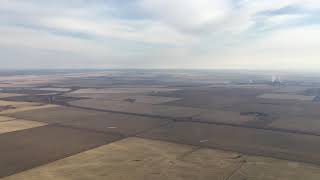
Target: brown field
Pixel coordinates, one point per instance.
(139, 159)
(162, 125)
(244, 86)
(60, 115)
(274, 169)
(150, 159)
(287, 97)
(139, 108)
(166, 111)
(290, 89)
(58, 89)
(22, 150)
(120, 124)
(126, 97)
(301, 109)
(213, 98)
(245, 140)
(21, 106)
(124, 90)
(297, 123)
(223, 117)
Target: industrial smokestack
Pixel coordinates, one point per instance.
(276, 80)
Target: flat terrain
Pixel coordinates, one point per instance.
(150, 159)
(21, 150)
(5, 118)
(137, 108)
(287, 97)
(311, 125)
(124, 90)
(159, 124)
(16, 125)
(9, 107)
(142, 159)
(244, 140)
(271, 169)
(5, 95)
(121, 124)
(125, 97)
(163, 111)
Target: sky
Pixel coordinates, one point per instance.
(183, 34)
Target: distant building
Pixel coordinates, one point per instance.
(51, 99)
(276, 81)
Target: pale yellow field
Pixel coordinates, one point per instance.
(16, 125)
(136, 159)
(23, 106)
(5, 118)
(5, 95)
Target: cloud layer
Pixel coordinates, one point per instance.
(248, 34)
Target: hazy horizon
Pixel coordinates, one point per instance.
(160, 34)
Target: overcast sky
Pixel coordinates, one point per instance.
(228, 34)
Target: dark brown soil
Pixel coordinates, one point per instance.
(281, 145)
(29, 148)
(2, 108)
(93, 120)
(212, 98)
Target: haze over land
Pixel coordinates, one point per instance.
(228, 34)
(160, 89)
(159, 125)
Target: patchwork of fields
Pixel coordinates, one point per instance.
(92, 126)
